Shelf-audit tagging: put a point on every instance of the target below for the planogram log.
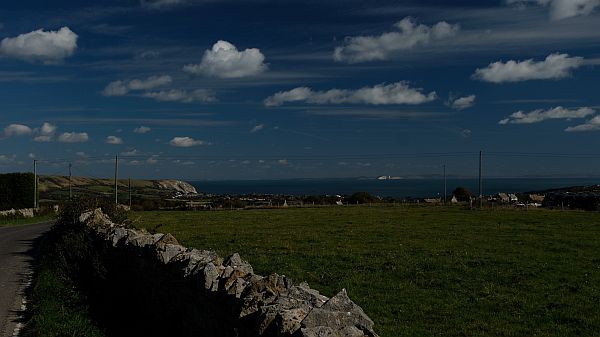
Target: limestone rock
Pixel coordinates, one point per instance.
(211, 276)
(340, 314)
(96, 218)
(117, 236)
(263, 291)
(236, 262)
(144, 240)
(236, 288)
(167, 239)
(289, 309)
(26, 212)
(193, 261)
(166, 252)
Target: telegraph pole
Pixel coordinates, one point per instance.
(445, 185)
(34, 184)
(480, 181)
(70, 185)
(116, 178)
(129, 193)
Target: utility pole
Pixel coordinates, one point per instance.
(34, 184)
(116, 179)
(70, 185)
(129, 193)
(445, 185)
(480, 181)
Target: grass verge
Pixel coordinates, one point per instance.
(16, 221)
(422, 271)
(56, 306)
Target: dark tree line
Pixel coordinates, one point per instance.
(16, 190)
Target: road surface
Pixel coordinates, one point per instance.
(16, 245)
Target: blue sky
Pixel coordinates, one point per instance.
(284, 89)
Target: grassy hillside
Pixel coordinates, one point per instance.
(422, 271)
(56, 187)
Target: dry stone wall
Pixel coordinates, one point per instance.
(190, 292)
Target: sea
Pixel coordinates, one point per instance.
(396, 188)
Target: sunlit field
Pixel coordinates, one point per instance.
(421, 271)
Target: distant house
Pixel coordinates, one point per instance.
(454, 200)
(537, 198)
(512, 197)
(432, 200)
(503, 197)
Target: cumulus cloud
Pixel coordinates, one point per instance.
(186, 142)
(40, 45)
(536, 116)
(45, 133)
(395, 93)
(14, 130)
(555, 66)
(121, 88)
(591, 125)
(410, 35)
(462, 103)
(142, 129)
(257, 128)
(73, 137)
(114, 140)
(225, 61)
(115, 88)
(183, 96)
(563, 9)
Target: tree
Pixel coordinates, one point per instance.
(362, 198)
(462, 194)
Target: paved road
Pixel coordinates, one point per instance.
(15, 265)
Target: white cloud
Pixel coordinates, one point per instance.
(45, 133)
(142, 129)
(150, 82)
(158, 4)
(121, 88)
(114, 140)
(563, 9)
(257, 128)
(115, 88)
(462, 103)
(14, 130)
(183, 162)
(555, 66)
(410, 35)
(175, 95)
(540, 115)
(186, 142)
(395, 93)
(283, 162)
(225, 61)
(591, 125)
(40, 45)
(73, 137)
(6, 160)
(152, 160)
(131, 152)
(31, 155)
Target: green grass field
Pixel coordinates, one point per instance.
(422, 271)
